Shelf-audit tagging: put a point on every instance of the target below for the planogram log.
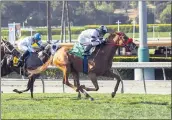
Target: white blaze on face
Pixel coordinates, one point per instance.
(54, 48)
(9, 59)
(40, 54)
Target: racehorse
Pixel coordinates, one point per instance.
(7, 50)
(99, 63)
(7, 63)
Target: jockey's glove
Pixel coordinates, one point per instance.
(42, 48)
(104, 42)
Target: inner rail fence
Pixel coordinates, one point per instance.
(129, 65)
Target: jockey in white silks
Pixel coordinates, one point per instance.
(25, 45)
(92, 37)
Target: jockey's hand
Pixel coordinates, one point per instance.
(37, 51)
(106, 39)
(42, 48)
(104, 42)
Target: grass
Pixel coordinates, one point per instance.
(63, 106)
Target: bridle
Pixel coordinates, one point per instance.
(121, 37)
(5, 46)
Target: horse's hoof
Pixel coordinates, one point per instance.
(77, 90)
(91, 99)
(113, 94)
(79, 96)
(15, 90)
(82, 86)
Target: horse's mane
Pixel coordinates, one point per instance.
(112, 34)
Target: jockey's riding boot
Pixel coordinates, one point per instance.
(87, 50)
(22, 58)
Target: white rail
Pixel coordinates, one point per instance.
(133, 65)
(130, 65)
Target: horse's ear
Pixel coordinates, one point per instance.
(56, 41)
(48, 41)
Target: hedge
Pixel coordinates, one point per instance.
(126, 74)
(127, 28)
(135, 59)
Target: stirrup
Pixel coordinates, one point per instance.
(86, 54)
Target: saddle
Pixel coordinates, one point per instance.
(78, 50)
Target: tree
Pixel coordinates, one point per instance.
(159, 8)
(165, 16)
(125, 5)
(106, 7)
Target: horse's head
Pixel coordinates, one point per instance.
(9, 52)
(121, 39)
(45, 54)
(8, 48)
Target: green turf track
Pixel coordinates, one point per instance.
(63, 106)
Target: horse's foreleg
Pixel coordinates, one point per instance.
(32, 85)
(118, 78)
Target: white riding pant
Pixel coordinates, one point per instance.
(87, 41)
(25, 48)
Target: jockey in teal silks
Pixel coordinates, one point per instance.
(92, 37)
(25, 45)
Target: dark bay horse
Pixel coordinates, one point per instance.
(7, 66)
(99, 63)
(7, 54)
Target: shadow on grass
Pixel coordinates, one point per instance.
(45, 98)
(148, 102)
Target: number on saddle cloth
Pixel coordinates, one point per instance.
(15, 61)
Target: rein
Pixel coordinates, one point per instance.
(6, 46)
(124, 44)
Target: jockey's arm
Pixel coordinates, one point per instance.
(40, 45)
(95, 40)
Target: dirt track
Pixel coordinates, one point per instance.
(152, 86)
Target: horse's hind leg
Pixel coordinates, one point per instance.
(65, 79)
(118, 78)
(76, 82)
(28, 87)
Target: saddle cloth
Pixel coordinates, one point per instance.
(78, 50)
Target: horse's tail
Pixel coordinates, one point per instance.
(41, 68)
